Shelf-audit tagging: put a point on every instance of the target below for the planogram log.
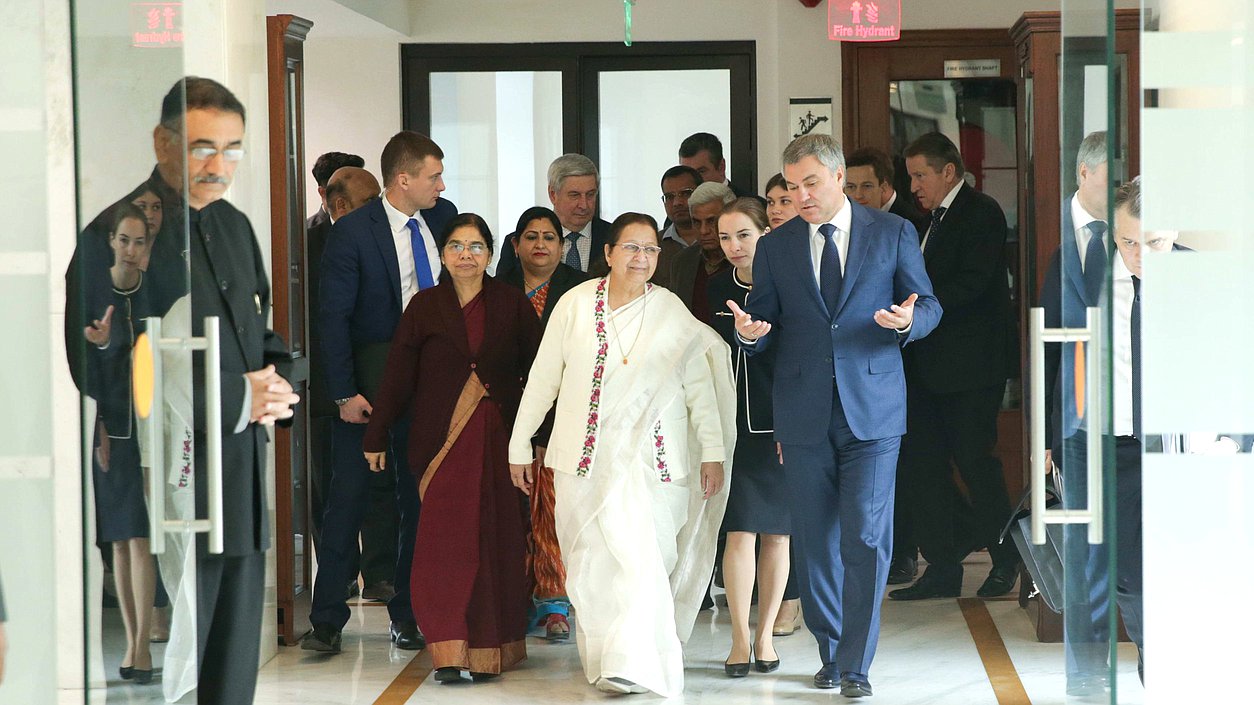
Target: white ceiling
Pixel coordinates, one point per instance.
(332, 19)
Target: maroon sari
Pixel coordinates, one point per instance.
(468, 582)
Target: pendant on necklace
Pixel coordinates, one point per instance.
(624, 361)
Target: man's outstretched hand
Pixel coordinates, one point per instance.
(748, 328)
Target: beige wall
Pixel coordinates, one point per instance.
(355, 109)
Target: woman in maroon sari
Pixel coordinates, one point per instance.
(469, 585)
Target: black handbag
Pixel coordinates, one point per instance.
(1044, 562)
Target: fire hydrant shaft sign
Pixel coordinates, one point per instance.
(864, 20)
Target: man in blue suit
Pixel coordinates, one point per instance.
(376, 259)
(824, 293)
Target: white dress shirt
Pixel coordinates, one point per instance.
(583, 245)
(1121, 329)
(888, 205)
(398, 222)
(843, 220)
(949, 201)
(1081, 220)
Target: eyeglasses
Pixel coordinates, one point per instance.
(230, 154)
(476, 248)
(672, 196)
(633, 249)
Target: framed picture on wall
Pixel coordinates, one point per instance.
(809, 116)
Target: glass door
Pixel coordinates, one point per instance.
(130, 340)
(1082, 420)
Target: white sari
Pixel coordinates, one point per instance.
(637, 538)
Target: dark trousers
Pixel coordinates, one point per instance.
(1086, 581)
(843, 533)
(229, 599)
(346, 506)
(944, 432)
(377, 559)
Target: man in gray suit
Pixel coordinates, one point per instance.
(693, 267)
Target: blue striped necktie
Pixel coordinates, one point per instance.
(422, 264)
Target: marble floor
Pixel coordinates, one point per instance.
(926, 656)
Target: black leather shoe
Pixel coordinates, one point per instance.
(1001, 580)
(827, 677)
(766, 666)
(126, 672)
(324, 638)
(448, 674)
(141, 676)
(902, 570)
(481, 677)
(406, 636)
(736, 670)
(852, 686)
(934, 583)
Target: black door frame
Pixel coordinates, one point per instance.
(580, 63)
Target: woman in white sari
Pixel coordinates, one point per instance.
(641, 449)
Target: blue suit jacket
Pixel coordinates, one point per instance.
(884, 266)
(360, 289)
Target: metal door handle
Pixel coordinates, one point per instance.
(1038, 335)
(210, 343)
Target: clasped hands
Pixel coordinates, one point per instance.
(896, 317)
(272, 396)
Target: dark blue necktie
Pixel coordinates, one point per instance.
(1095, 262)
(830, 276)
(934, 229)
(1136, 357)
(572, 255)
(422, 265)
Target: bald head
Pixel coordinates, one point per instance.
(348, 189)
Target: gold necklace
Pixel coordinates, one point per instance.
(618, 339)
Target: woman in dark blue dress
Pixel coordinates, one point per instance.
(757, 506)
(119, 307)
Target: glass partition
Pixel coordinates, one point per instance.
(126, 293)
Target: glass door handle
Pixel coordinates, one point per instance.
(1091, 335)
(210, 344)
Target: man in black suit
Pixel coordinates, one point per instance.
(574, 185)
(693, 267)
(703, 152)
(201, 135)
(347, 189)
(956, 377)
(376, 259)
(869, 181)
(321, 410)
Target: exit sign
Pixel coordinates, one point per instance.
(864, 20)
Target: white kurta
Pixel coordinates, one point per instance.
(637, 539)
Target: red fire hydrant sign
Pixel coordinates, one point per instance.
(864, 20)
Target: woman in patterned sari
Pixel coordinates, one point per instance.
(458, 358)
(646, 418)
(537, 242)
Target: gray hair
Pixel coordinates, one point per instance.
(1129, 196)
(825, 148)
(1092, 152)
(709, 192)
(569, 165)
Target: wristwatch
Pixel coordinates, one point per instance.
(342, 402)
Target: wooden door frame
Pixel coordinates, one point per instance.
(284, 37)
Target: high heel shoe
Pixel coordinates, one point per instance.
(127, 672)
(736, 670)
(766, 666)
(141, 676)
